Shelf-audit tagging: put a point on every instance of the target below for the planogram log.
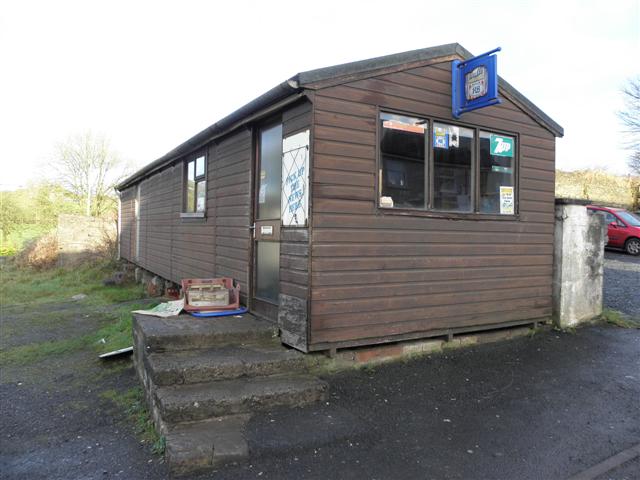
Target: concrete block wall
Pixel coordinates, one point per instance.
(578, 264)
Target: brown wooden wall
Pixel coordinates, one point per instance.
(127, 219)
(376, 275)
(219, 244)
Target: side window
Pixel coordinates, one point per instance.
(435, 166)
(453, 152)
(497, 167)
(403, 155)
(195, 185)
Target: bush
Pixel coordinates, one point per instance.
(39, 254)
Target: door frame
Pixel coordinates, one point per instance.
(260, 307)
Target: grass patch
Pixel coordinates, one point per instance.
(132, 403)
(28, 286)
(115, 334)
(33, 352)
(118, 334)
(619, 319)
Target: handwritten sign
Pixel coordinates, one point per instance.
(295, 179)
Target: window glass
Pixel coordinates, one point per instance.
(268, 271)
(402, 152)
(199, 166)
(497, 173)
(453, 149)
(200, 196)
(630, 218)
(191, 195)
(190, 171)
(270, 172)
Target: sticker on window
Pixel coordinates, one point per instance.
(454, 137)
(440, 137)
(501, 146)
(506, 201)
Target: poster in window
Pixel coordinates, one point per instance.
(506, 201)
(295, 179)
(440, 137)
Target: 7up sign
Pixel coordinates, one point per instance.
(501, 146)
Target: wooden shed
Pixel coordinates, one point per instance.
(354, 209)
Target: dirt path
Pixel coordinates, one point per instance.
(57, 420)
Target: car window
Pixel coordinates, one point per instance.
(630, 218)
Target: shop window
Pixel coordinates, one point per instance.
(196, 185)
(496, 173)
(453, 149)
(402, 152)
(431, 165)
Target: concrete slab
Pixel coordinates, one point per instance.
(183, 403)
(222, 363)
(187, 332)
(198, 446)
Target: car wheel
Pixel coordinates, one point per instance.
(632, 247)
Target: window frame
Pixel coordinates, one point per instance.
(428, 210)
(196, 178)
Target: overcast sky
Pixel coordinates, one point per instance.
(151, 74)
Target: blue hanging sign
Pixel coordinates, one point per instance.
(474, 83)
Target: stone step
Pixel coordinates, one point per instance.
(184, 403)
(222, 363)
(185, 332)
(197, 447)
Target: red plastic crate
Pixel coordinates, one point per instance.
(226, 282)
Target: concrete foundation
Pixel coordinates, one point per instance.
(578, 264)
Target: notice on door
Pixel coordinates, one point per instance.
(295, 179)
(506, 201)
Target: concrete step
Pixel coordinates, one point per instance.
(197, 447)
(185, 332)
(184, 403)
(222, 363)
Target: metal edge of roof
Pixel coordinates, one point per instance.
(430, 53)
(297, 82)
(277, 93)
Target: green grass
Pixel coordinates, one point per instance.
(619, 319)
(33, 352)
(132, 402)
(117, 334)
(14, 242)
(113, 335)
(27, 286)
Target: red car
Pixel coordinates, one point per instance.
(624, 228)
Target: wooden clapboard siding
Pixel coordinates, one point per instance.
(230, 194)
(294, 254)
(127, 222)
(378, 275)
(219, 244)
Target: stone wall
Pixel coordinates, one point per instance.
(578, 264)
(81, 238)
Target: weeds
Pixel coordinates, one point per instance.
(25, 285)
(619, 319)
(114, 335)
(132, 403)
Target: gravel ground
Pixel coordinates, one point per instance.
(622, 282)
(543, 407)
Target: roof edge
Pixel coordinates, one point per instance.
(279, 92)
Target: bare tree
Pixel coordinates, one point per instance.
(630, 118)
(89, 169)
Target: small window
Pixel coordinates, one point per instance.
(453, 149)
(196, 186)
(402, 151)
(496, 173)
